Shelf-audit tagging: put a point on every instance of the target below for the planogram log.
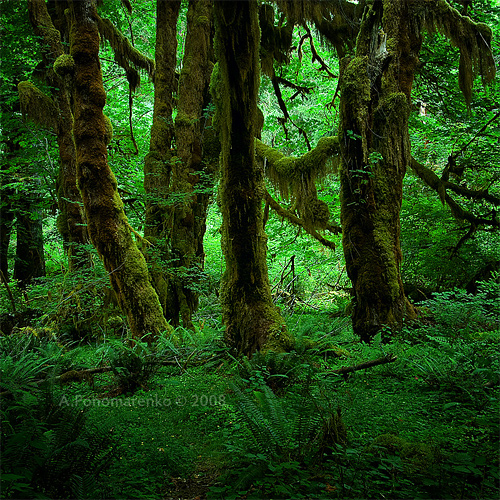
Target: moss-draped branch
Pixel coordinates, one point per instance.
(297, 176)
(127, 56)
(289, 216)
(472, 39)
(290, 174)
(37, 106)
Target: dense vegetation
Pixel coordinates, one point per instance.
(95, 406)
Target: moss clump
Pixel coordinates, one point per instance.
(202, 21)
(64, 65)
(417, 457)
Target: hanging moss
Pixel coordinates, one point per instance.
(292, 175)
(37, 106)
(472, 39)
(125, 54)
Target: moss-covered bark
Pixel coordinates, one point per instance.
(157, 164)
(375, 104)
(375, 146)
(252, 321)
(107, 224)
(179, 177)
(59, 74)
(192, 170)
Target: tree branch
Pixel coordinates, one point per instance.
(434, 182)
(286, 214)
(389, 358)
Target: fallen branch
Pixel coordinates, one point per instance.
(389, 358)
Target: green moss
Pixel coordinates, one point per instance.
(64, 65)
(202, 21)
(417, 457)
(37, 106)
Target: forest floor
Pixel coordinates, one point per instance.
(205, 425)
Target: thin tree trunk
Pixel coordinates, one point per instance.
(108, 227)
(375, 147)
(252, 321)
(6, 208)
(30, 258)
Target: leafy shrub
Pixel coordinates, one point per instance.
(132, 367)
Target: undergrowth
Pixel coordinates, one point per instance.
(194, 421)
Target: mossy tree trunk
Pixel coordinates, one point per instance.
(252, 321)
(178, 179)
(375, 146)
(108, 227)
(192, 169)
(157, 164)
(71, 221)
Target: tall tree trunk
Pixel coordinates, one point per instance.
(108, 227)
(375, 151)
(71, 221)
(252, 321)
(157, 164)
(192, 173)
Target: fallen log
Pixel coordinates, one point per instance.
(344, 370)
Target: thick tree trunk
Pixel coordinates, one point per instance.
(375, 147)
(71, 221)
(108, 227)
(252, 321)
(192, 173)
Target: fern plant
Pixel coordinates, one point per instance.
(49, 450)
(277, 439)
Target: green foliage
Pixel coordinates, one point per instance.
(275, 441)
(49, 450)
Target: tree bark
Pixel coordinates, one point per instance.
(375, 146)
(71, 221)
(108, 226)
(252, 321)
(192, 172)
(157, 164)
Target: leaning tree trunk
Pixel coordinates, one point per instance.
(375, 146)
(108, 227)
(252, 321)
(192, 173)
